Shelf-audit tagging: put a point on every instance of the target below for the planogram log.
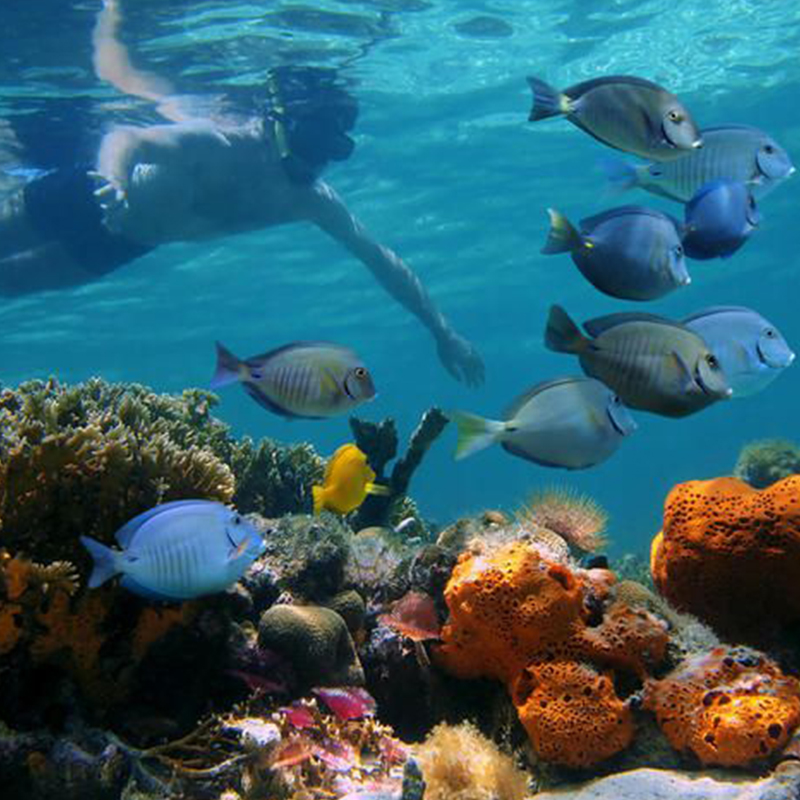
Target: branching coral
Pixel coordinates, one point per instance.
(379, 442)
(730, 555)
(576, 517)
(458, 763)
(729, 707)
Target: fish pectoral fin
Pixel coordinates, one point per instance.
(376, 488)
(237, 552)
(685, 378)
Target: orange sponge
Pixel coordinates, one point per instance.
(729, 707)
(572, 713)
(730, 554)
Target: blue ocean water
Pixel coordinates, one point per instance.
(448, 172)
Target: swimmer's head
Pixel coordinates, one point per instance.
(311, 113)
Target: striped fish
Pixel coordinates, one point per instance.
(302, 379)
(178, 551)
(735, 153)
(652, 363)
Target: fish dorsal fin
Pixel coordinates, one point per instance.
(259, 360)
(517, 404)
(621, 211)
(582, 88)
(711, 310)
(598, 326)
(125, 534)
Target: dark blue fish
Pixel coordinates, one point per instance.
(631, 252)
(719, 220)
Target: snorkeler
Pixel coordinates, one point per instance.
(196, 178)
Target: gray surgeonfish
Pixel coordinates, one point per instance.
(572, 423)
(302, 379)
(631, 252)
(622, 111)
(730, 152)
(178, 551)
(750, 349)
(652, 363)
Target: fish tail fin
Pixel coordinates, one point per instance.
(377, 488)
(228, 368)
(620, 175)
(562, 237)
(474, 432)
(562, 334)
(547, 101)
(318, 493)
(105, 562)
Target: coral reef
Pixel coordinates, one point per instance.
(315, 640)
(379, 442)
(373, 557)
(523, 619)
(767, 461)
(459, 763)
(576, 517)
(729, 707)
(730, 555)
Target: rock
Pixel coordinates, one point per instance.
(657, 784)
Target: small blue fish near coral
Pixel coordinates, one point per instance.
(312, 380)
(719, 220)
(750, 349)
(178, 551)
(630, 252)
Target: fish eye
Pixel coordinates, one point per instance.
(770, 333)
(675, 116)
(769, 149)
(616, 400)
(360, 372)
(712, 362)
(237, 520)
(256, 375)
(678, 250)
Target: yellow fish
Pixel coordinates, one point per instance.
(348, 480)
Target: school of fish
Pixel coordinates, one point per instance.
(185, 549)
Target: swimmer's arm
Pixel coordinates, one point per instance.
(324, 207)
(327, 211)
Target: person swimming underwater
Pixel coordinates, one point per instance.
(195, 178)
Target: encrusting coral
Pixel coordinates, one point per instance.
(459, 763)
(730, 555)
(767, 461)
(729, 707)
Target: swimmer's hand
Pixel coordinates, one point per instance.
(460, 358)
(112, 199)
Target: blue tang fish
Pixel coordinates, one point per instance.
(730, 152)
(178, 551)
(630, 252)
(750, 349)
(719, 220)
(572, 423)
